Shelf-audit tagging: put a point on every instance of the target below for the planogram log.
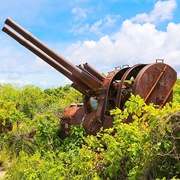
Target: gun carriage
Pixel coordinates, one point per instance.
(153, 82)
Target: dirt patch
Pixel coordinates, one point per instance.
(2, 174)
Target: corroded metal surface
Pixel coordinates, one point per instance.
(153, 82)
(78, 115)
(126, 83)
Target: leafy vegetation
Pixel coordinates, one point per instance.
(147, 148)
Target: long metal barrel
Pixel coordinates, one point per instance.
(81, 86)
(88, 72)
(93, 71)
(83, 76)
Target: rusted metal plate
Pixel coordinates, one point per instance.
(75, 115)
(103, 94)
(154, 83)
(126, 83)
(111, 100)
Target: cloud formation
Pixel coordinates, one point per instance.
(137, 41)
(81, 25)
(163, 10)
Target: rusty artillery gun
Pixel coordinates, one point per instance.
(153, 82)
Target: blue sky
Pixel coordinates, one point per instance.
(105, 34)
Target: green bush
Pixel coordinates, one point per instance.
(46, 126)
(147, 148)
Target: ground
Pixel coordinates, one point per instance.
(2, 173)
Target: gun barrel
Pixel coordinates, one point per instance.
(89, 72)
(83, 88)
(93, 71)
(83, 76)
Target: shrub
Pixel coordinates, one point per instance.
(146, 148)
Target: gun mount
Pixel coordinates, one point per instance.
(153, 82)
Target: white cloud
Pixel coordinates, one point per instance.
(44, 83)
(137, 41)
(39, 65)
(6, 81)
(3, 81)
(81, 25)
(163, 10)
(133, 43)
(110, 20)
(14, 75)
(79, 29)
(95, 28)
(80, 14)
(90, 51)
(26, 82)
